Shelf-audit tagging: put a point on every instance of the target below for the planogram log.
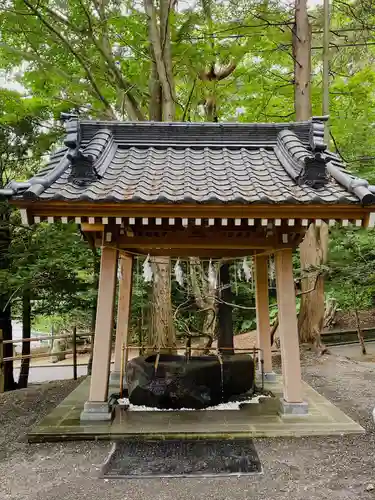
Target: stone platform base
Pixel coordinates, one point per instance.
(255, 420)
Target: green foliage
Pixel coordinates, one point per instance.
(23, 141)
(352, 269)
(352, 82)
(74, 57)
(56, 266)
(244, 320)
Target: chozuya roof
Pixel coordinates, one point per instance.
(234, 163)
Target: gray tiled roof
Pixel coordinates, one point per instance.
(195, 163)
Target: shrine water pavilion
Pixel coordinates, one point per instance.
(220, 190)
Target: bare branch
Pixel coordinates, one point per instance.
(226, 71)
(188, 103)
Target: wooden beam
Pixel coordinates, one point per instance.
(269, 211)
(87, 227)
(221, 239)
(192, 252)
(205, 243)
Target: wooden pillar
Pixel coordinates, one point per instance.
(263, 313)
(123, 308)
(225, 342)
(289, 343)
(96, 408)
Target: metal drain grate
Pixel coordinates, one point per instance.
(182, 458)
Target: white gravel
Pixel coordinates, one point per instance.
(235, 405)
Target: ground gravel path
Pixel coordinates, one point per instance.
(294, 469)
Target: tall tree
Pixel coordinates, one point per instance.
(20, 135)
(162, 106)
(313, 249)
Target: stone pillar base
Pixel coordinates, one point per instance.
(96, 411)
(293, 409)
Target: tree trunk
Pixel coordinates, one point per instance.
(162, 335)
(26, 334)
(225, 331)
(169, 110)
(274, 328)
(313, 253)
(156, 94)
(313, 249)
(330, 313)
(162, 54)
(204, 295)
(210, 108)
(5, 306)
(302, 61)
(6, 327)
(359, 331)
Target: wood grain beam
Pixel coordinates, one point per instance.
(269, 211)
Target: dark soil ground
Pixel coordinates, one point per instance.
(294, 469)
(346, 320)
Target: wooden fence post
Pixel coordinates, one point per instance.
(75, 353)
(2, 373)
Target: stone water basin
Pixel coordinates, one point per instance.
(175, 382)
